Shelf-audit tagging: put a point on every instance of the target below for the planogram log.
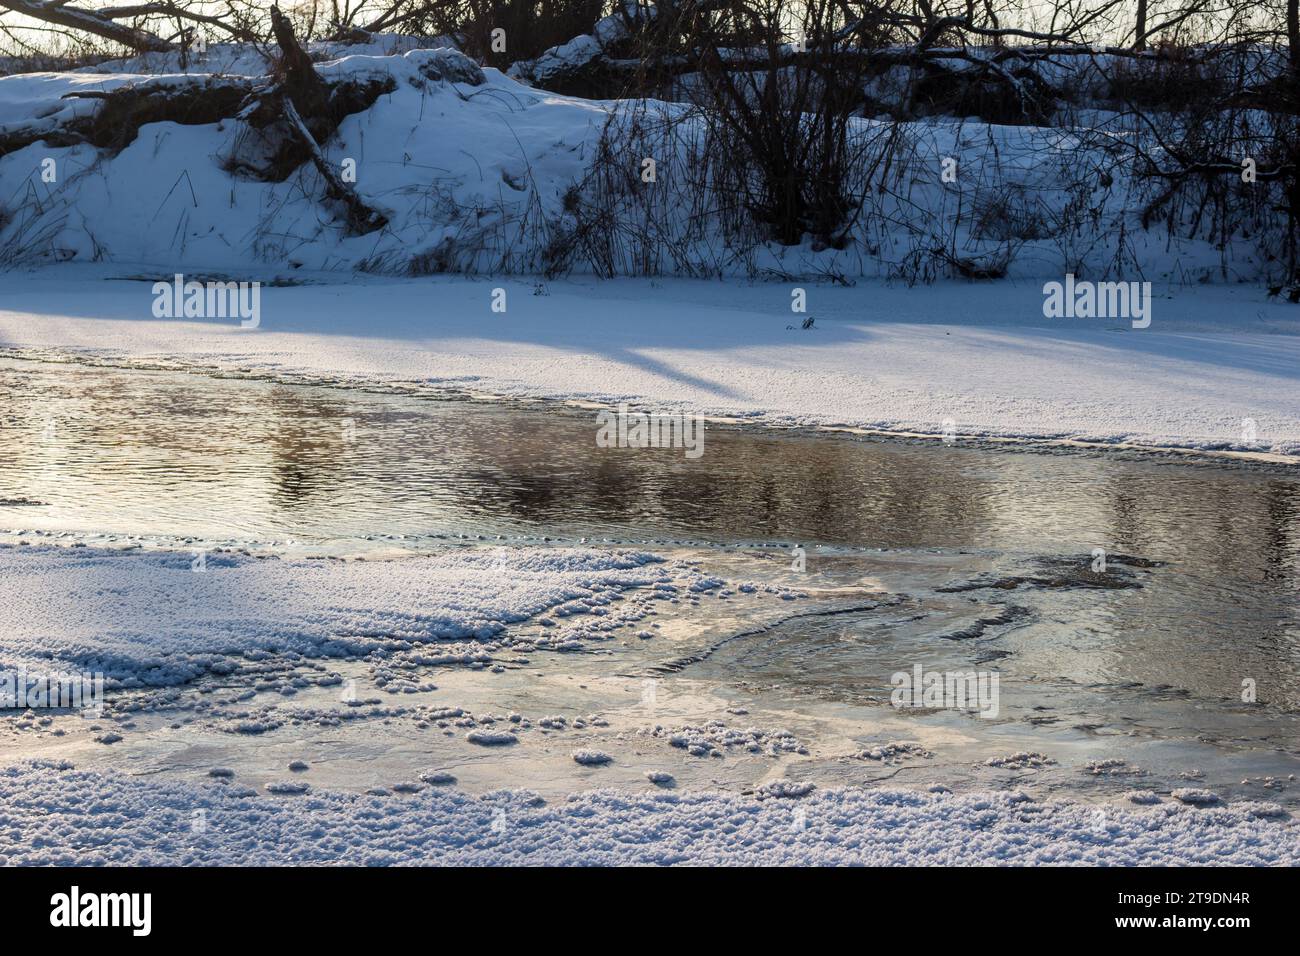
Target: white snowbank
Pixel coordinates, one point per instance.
(879, 356)
(479, 177)
(147, 618)
(139, 822)
(450, 163)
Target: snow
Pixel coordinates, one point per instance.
(287, 788)
(785, 790)
(572, 55)
(476, 171)
(491, 738)
(1195, 796)
(882, 357)
(458, 164)
(472, 169)
(1145, 797)
(148, 822)
(242, 59)
(145, 618)
(35, 100)
(1021, 760)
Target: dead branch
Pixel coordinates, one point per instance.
(361, 218)
(166, 8)
(88, 21)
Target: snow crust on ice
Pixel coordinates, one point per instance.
(1195, 796)
(287, 788)
(147, 822)
(491, 738)
(145, 618)
(715, 737)
(784, 789)
(894, 752)
(1021, 760)
(1145, 797)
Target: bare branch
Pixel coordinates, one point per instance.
(88, 21)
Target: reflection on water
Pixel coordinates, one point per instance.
(152, 453)
(159, 454)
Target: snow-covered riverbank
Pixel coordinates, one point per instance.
(1217, 368)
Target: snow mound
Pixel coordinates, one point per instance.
(463, 162)
(784, 790)
(1195, 796)
(893, 752)
(491, 738)
(287, 788)
(1142, 797)
(438, 778)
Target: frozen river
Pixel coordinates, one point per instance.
(1136, 608)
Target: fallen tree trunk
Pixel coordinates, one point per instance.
(602, 76)
(308, 111)
(88, 21)
(360, 217)
(301, 81)
(115, 124)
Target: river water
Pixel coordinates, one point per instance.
(1203, 596)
